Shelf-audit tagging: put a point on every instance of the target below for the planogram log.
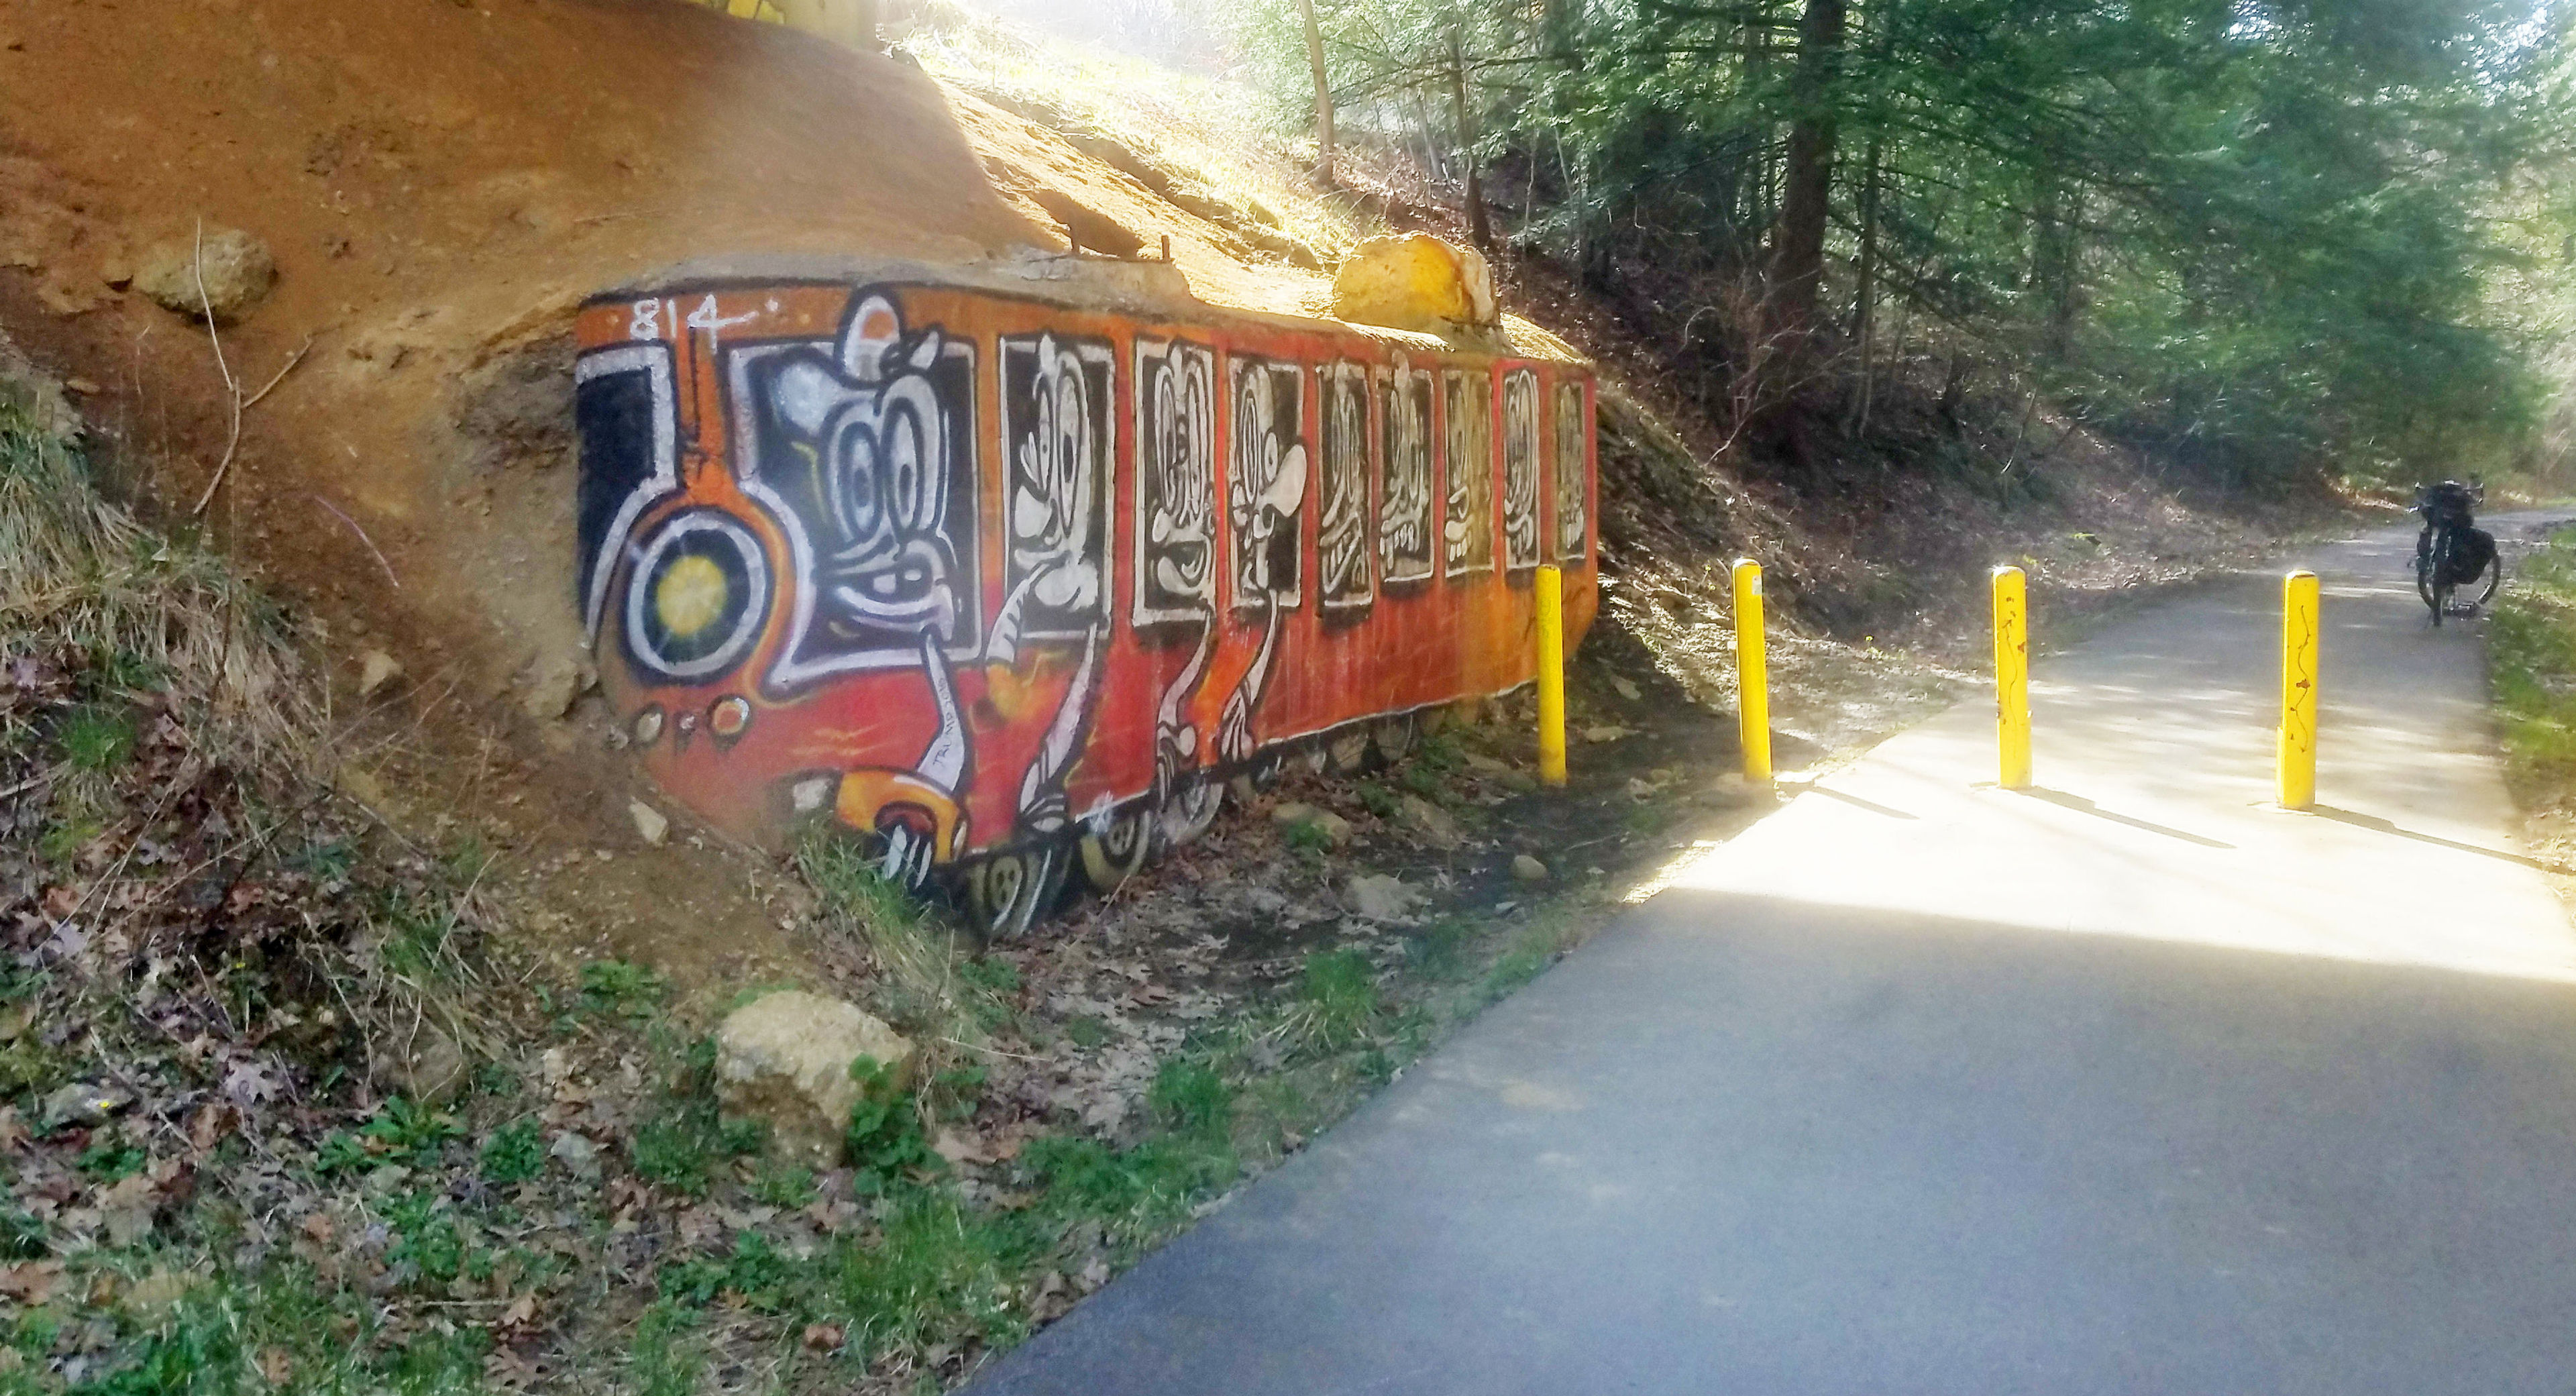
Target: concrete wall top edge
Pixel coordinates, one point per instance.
(1156, 290)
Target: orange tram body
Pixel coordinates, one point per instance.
(1013, 587)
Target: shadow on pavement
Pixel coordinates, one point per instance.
(2081, 805)
(2378, 825)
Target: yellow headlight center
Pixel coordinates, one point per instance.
(690, 597)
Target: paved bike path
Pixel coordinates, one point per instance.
(2127, 1084)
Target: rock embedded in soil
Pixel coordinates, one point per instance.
(1528, 869)
(376, 669)
(1437, 826)
(1380, 897)
(576, 1153)
(556, 682)
(236, 268)
(650, 824)
(85, 1103)
(785, 1059)
(1333, 827)
(431, 1067)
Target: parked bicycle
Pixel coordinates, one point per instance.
(2453, 556)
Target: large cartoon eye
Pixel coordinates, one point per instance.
(1068, 438)
(908, 491)
(857, 480)
(696, 596)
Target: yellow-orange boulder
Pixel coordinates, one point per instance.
(1414, 282)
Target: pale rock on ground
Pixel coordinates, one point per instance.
(431, 1067)
(785, 1060)
(1291, 814)
(651, 825)
(577, 1153)
(237, 270)
(85, 1103)
(376, 669)
(1437, 826)
(554, 684)
(1380, 897)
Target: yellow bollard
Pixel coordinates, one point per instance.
(1752, 675)
(2299, 635)
(2012, 680)
(1551, 676)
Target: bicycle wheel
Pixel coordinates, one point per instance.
(2426, 569)
(2442, 585)
(2494, 578)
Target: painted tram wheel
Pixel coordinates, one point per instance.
(699, 593)
(1394, 737)
(1011, 889)
(1349, 751)
(1259, 776)
(1113, 855)
(1188, 814)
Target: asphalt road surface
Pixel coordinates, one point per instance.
(2128, 1083)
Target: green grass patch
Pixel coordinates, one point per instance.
(2531, 661)
(97, 738)
(515, 1153)
(884, 1139)
(1337, 999)
(1309, 836)
(619, 989)
(685, 1138)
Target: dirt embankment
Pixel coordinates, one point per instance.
(440, 184)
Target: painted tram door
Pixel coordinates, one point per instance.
(1015, 588)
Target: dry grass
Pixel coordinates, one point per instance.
(79, 574)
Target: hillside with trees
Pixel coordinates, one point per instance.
(2256, 240)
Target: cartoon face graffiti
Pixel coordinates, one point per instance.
(1341, 534)
(1268, 482)
(1404, 506)
(866, 454)
(1467, 533)
(1175, 482)
(1520, 470)
(1055, 421)
(867, 449)
(1572, 470)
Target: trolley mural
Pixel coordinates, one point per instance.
(1014, 588)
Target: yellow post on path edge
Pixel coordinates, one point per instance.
(2299, 634)
(2012, 680)
(1551, 676)
(1752, 676)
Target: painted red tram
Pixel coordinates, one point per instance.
(1016, 587)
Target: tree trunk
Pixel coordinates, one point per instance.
(1798, 251)
(1479, 231)
(1865, 295)
(1323, 93)
(2052, 257)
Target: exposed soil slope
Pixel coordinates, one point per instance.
(441, 184)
